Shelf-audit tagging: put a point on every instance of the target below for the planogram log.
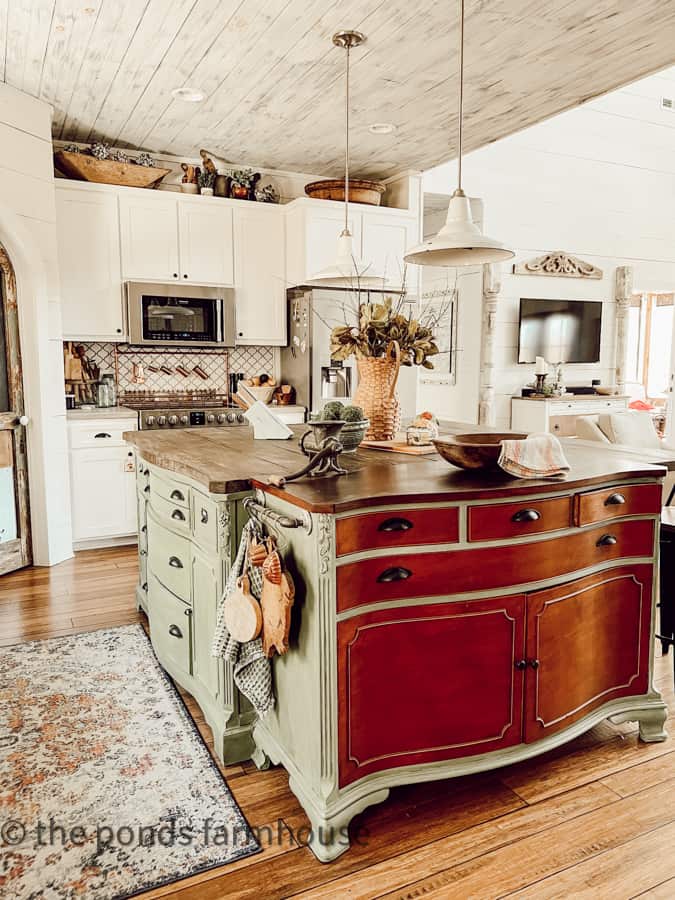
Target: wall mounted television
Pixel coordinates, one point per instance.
(566, 331)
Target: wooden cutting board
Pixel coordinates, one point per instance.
(398, 446)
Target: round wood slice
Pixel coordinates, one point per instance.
(243, 616)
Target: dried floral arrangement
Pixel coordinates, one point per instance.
(376, 324)
(101, 150)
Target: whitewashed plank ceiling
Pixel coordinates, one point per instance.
(273, 82)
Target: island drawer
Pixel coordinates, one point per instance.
(397, 528)
(611, 503)
(455, 571)
(170, 624)
(173, 492)
(169, 558)
(505, 520)
(170, 514)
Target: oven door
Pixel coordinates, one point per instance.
(175, 315)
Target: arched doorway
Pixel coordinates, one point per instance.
(15, 543)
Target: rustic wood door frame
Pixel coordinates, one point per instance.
(16, 553)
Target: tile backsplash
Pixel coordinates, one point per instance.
(249, 360)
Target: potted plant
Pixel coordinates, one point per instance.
(383, 339)
(355, 427)
(206, 181)
(242, 184)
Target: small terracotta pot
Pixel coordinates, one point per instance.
(239, 192)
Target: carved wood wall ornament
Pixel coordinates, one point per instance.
(558, 263)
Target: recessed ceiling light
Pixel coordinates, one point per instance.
(188, 94)
(382, 128)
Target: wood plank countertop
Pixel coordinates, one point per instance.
(229, 460)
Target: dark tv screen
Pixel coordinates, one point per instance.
(566, 331)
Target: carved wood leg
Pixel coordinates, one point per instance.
(651, 719)
(261, 759)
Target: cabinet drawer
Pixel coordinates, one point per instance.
(170, 627)
(396, 528)
(610, 503)
(505, 520)
(170, 513)
(169, 559)
(172, 491)
(103, 433)
(205, 521)
(451, 572)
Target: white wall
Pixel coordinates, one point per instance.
(597, 182)
(28, 231)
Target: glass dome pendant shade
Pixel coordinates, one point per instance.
(459, 242)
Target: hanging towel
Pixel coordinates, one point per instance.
(251, 668)
(538, 456)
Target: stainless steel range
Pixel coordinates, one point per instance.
(183, 410)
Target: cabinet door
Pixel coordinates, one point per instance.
(205, 239)
(89, 265)
(427, 683)
(385, 240)
(103, 494)
(323, 228)
(589, 640)
(206, 590)
(149, 234)
(259, 276)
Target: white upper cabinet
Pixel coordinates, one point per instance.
(259, 275)
(149, 233)
(89, 264)
(205, 242)
(384, 241)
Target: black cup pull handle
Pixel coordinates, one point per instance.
(606, 541)
(395, 524)
(526, 515)
(102, 434)
(177, 514)
(175, 631)
(396, 573)
(204, 517)
(175, 563)
(147, 489)
(615, 500)
(177, 495)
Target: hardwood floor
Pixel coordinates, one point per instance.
(595, 818)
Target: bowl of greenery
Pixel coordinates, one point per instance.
(355, 427)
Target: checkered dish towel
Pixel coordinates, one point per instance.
(538, 456)
(252, 669)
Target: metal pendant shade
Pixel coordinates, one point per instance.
(459, 242)
(348, 269)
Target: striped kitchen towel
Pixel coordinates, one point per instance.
(538, 456)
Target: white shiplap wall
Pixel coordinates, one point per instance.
(28, 231)
(597, 182)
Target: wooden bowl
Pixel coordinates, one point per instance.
(474, 451)
(83, 167)
(369, 192)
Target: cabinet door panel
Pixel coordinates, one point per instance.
(149, 233)
(259, 276)
(323, 230)
(385, 241)
(206, 589)
(205, 234)
(591, 640)
(89, 265)
(103, 494)
(429, 683)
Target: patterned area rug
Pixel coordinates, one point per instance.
(106, 788)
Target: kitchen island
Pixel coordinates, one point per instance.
(445, 622)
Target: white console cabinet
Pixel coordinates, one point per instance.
(558, 414)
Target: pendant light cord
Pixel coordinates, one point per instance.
(346, 230)
(461, 92)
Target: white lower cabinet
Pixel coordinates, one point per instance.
(103, 488)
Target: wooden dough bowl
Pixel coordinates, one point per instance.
(474, 451)
(83, 167)
(369, 192)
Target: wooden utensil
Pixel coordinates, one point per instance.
(182, 371)
(278, 593)
(243, 616)
(200, 372)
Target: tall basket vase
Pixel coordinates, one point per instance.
(376, 393)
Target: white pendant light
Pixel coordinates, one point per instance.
(348, 269)
(459, 242)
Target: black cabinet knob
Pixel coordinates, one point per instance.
(520, 664)
(175, 274)
(526, 515)
(119, 331)
(395, 573)
(175, 631)
(184, 276)
(395, 524)
(606, 541)
(534, 663)
(175, 563)
(615, 500)
(178, 515)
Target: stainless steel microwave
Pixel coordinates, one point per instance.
(180, 314)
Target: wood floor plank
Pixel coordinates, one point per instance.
(529, 861)
(465, 845)
(663, 891)
(645, 775)
(649, 858)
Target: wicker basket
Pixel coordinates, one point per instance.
(376, 393)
